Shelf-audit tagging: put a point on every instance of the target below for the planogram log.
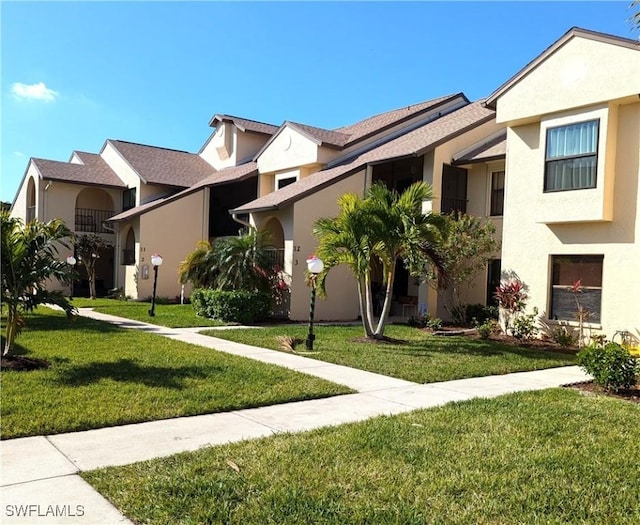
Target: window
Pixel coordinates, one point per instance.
(281, 181)
(454, 190)
(129, 252)
(128, 199)
(566, 270)
(571, 157)
(497, 193)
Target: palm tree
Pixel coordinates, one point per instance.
(200, 267)
(403, 231)
(243, 262)
(386, 227)
(29, 258)
(346, 239)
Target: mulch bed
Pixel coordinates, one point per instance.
(590, 388)
(20, 363)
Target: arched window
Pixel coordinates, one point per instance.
(129, 252)
(31, 200)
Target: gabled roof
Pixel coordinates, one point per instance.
(224, 176)
(244, 124)
(165, 166)
(414, 143)
(372, 125)
(572, 33)
(347, 136)
(93, 171)
(491, 148)
(322, 137)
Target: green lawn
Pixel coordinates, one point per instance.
(102, 375)
(169, 315)
(550, 457)
(423, 358)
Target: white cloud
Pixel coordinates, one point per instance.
(37, 91)
(18, 154)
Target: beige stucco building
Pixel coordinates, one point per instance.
(492, 158)
(572, 202)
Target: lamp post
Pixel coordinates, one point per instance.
(71, 261)
(156, 261)
(315, 266)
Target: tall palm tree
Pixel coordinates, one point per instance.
(386, 227)
(346, 239)
(29, 258)
(403, 231)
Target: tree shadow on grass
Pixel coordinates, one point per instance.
(129, 371)
(474, 347)
(47, 322)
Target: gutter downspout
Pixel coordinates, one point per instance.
(235, 217)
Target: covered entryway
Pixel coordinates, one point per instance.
(93, 207)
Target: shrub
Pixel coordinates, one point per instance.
(611, 366)
(479, 313)
(563, 337)
(425, 321)
(490, 326)
(524, 326)
(236, 306)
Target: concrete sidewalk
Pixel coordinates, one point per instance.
(40, 474)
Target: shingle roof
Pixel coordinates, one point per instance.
(369, 126)
(163, 166)
(324, 137)
(93, 171)
(573, 32)
(491, 148)
(245, 124)
(347, 136)
(414, 143)
(224, 176)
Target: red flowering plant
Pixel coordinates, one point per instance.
(512, 298)
(582, 314)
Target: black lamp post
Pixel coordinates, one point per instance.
(315, 266)
(71, 261)
(156, 261)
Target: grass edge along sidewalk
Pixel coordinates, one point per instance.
(521, 458)
(102, 375)
(420, 358)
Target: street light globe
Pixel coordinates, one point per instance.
(71, 260)
(156, 259)
(315, 264)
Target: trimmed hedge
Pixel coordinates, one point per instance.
(232, 307)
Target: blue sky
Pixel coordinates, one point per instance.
(76, 73)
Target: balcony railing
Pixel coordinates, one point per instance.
(449, 204)
(88, 220)
(277, 256)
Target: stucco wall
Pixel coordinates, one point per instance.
(115, 161)
(582, 72)
(291, 149)
(342, 296)
(528, 244)
(477, 204)
(172, 231)
(19, 208)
